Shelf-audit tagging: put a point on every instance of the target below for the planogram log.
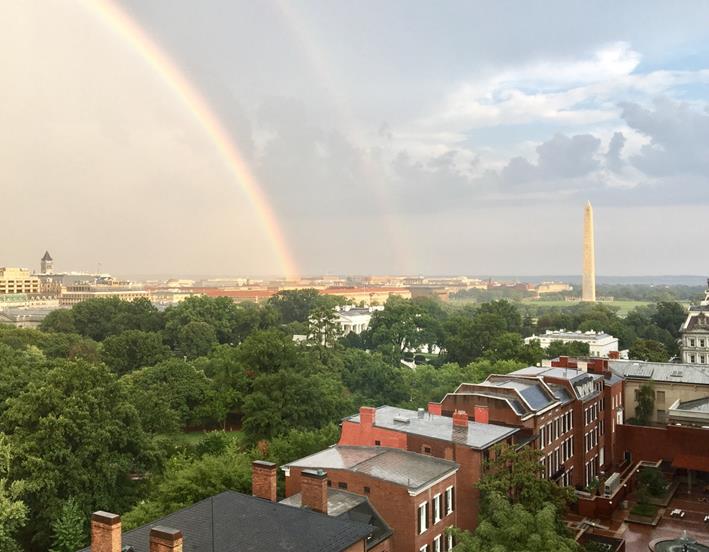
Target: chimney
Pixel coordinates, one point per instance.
(105, 532)
(460, 418)
(435, 408)
(165, 539)
(263, 480)
(313, 490)
(482, 414)
(367, 415)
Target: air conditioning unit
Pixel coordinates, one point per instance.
(611, 484)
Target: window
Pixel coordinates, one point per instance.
(329, 483)
(342, 485)
(423, 518)
(449, 538)
(377, 443)
(450, 498)
(424, 548)
(366, 490)
(437, 544)
(426, 449)
(692, 359)
(660, 396)
(660, 415)
(436, 509)
(691, 342)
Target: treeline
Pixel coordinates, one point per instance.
(94, 403)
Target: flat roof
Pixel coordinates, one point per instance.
(408, 469)
(662, 371)
(477, 435)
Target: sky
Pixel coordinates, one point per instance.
(397, 137)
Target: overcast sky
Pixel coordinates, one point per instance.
(390, 136)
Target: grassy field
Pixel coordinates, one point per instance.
(624, 306)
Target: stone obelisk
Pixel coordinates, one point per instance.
(588, 284)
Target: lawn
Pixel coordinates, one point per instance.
(624, 306)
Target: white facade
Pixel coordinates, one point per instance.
(695, 333)
(600, 344)
(355, 320)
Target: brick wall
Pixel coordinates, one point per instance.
(660, 443)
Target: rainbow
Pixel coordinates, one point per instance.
(129, 30)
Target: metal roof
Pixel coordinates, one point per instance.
(408, 469)
(476, 435)
(662, 371)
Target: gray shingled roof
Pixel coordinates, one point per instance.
(235, 522)
(662, 371)
(477, 436)
(346, 505)
(408, 469)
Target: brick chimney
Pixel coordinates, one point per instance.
(264, 476)
(313, 490)
(367, 416)
(460, 419)
(165, 539)
(105, 532)
(435, 408)
(481, 414)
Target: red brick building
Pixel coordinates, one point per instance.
(456, 439)
(414, 493)
(566, 413)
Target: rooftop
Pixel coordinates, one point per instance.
(346, 505)
(575, 336)
(234, 522)
(408, 469)
(477, 436)
(662, 371)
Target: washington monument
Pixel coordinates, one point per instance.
(588, 292)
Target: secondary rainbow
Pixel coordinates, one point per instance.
(128, 29)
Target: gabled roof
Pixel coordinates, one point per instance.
(408, 469)
(476, 435)
(235, 522)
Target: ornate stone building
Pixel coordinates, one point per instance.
(695, 333)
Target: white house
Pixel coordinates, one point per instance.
(600, 344)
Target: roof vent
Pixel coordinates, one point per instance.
(401, 419)
(676, 374)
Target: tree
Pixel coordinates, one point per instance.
(195, 339)
(371, 379)
(60, 320)
(133, 349)
(13, 512)
(509, 526)
(516, 475)
(298, 305)
(645, 403)
(187, 480)
(669, 316)
(289, 399)
(570, 348)
(649, 350)
(69, 528)
(172, 395)
(74, 433)
(99, 318)
(397, 327)
(469, 335)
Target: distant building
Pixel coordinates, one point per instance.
(690, 413)
(24, 318)
(46, 264)
(695, 333)
(600, 344)
(354, 319)
(17, 280)
(552, 287)
(671, 382)
(81, 292)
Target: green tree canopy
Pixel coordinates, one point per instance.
(649, 350)
(69, 528)
(74, 433)
(133, 349)
(645, 403)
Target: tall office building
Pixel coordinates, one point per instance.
(588, 292)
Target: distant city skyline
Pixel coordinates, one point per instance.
(259, 138)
